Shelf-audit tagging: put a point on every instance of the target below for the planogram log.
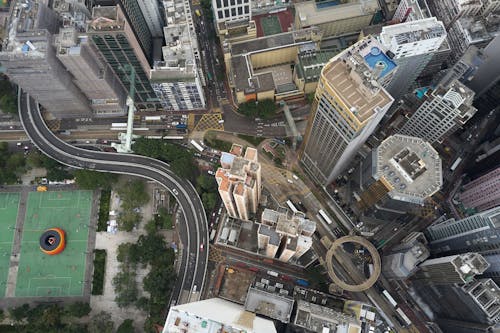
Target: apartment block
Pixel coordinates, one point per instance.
(284, 237)
(113, 36)
(239, 181)
(413, 44)
(318, 319)
(349, 103)
(334, 18)
(177, 79)
(482, 193)
(397, 178)
(444, 110)
(460, 268)
(90, 72)
(233, 19)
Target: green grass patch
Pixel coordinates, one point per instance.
(99, 269)
(254, 140)
(104, 203)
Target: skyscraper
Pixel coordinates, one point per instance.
(30, 61)
(478, 233)
(227, 12)
(414, 45)
(482, 193)
(113, 36)
(239, 180)
(445, 110)
(348, 105)
(460, 268)
(91, 74)
(397, 178)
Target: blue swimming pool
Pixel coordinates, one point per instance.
(377, 56)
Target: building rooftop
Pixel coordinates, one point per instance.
(466, 265)
(273, 41)
(274, 237)
(411, 32)
(317, 318)
(270, 216)
(269, 304)
(355, 72)
(310, 63)
(411, 166)
(459, 97)
(311, 13)
(214, 316)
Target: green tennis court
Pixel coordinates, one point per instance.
(62, 274)
(270, 25)
(9, 204)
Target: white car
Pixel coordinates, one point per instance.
(174, 191)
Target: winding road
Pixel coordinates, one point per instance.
(193, 231)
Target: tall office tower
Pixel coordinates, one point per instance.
(215, 315)
(176, 80)
(449, 11)
(30, 61)
(444, 111)
(472, 30)
(285, 237)
(228, 13)
(488, 73)
(239, 180)
(465, 68)
(91, 74)
(464, 308)
(413, 44)
(414, 10)
(482, 193)
(348, 105)
(478, 233)
(404, 258)
(334, 20)
(113, 36)
(460, 268)
(152, 12)
(132, 12)
(397, 178)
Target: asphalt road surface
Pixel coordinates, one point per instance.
(193, 233)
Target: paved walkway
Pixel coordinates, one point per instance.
(110, 243)
(16, 247)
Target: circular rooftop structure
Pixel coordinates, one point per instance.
(350, 252)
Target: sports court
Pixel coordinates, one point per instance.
(9, 204)
(270, 25)
(273, 23)
(54, 275)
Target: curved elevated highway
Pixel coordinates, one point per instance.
(193, 232)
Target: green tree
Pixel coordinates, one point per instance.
(133, 194)
(78, 309)
(16, 162)
(2, 316)
(209, 200)
(128, 253)
(34, 159)
(128, 219)
(183, 167)
(126, 327)
(19, 313)
(101, 323)
(206, 184)
(91, 180)
(8, 104)
(125, 287)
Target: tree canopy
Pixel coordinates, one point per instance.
(264, 109)
(91, 180)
